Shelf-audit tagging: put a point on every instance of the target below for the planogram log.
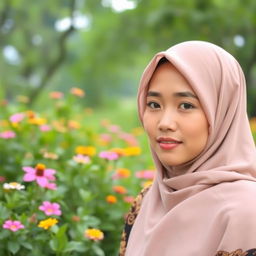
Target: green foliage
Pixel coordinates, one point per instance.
(82, 188)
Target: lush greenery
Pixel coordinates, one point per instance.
(107, 53)
(99, 169)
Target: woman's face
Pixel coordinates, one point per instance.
(174, 119)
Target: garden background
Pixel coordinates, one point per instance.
(72, 152)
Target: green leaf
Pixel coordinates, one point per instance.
(13, 246)
(27, 245)
(76, 246)
(98, 251)
(4, 212)
(60, 240)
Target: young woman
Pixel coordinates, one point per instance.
(192, 104)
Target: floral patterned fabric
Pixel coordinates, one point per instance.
(130, 219)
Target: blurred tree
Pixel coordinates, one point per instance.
(108, 56)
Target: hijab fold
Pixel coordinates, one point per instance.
(201, 211)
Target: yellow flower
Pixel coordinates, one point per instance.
(137, 131)
(132, 151)
(45, 224)
(111, 199)
(22, 99)
(147, 183)
(88, 151)
(37, 121)
(94, 234)
(253, 124)
(77, 92)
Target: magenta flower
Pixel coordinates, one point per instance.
(109, 155)
(40, 174)
(7, 135)
(145, 174)
(50, 208)
(13, 225)
(51, 186)
(17, 118)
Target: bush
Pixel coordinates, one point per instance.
(68, 178)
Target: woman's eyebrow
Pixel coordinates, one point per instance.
(185, 94)
(176, 94)
(153, 94)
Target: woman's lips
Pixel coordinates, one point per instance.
(167, 143)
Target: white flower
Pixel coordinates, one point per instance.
(13, 185)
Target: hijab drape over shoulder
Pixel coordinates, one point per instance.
(212, 207)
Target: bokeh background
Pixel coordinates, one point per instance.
(69, 71)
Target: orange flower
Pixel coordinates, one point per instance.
(122, 173)
(77, 92)
(94, 234)
(86, 150)
(119, 151)
(73, 125)
(56, 95)
(111, 199)
(120, 189)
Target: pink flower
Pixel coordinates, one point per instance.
(7, 135)
(129, 138)
(40, 174)
(114, 128)
(50, 208)
(13, 225)
(109, 155)
(16, 118)
(45, 128)
(145, 174)
(81, 159)
(2, 178)
(51, 186)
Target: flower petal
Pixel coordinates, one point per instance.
(29, 177)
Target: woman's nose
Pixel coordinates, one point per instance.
(167, 122)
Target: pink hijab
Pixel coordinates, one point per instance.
(212, 207)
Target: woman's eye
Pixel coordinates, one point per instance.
(153, 105)
(186, 106)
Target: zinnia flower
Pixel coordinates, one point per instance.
(86, 150)
(121, 173)
(13, 185)
(40, 174)
(109, 155)
(77, 92)
(120, 189)
(145, 174)
(13, 225)
(45, 128)
(46, 224)
(132, 151)
(111, 199)
(56, 95)
(81, 159)
(94, 234)
(16, 118)
(50, 208)
(7, 135)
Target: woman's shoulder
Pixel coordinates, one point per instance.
(130, 219)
